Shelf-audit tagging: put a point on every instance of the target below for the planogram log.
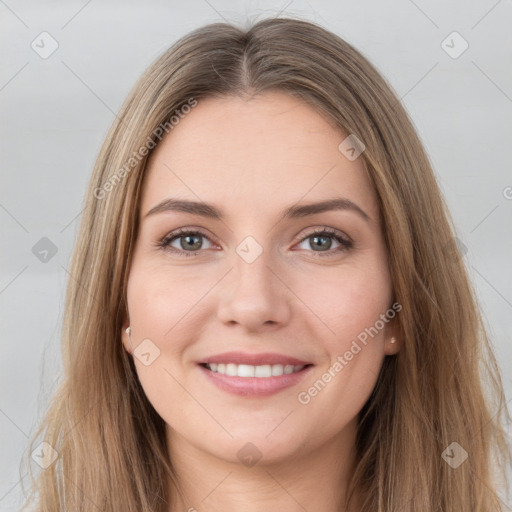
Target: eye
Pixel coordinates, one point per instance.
(190, 242)
(326, 240)
(186, 241)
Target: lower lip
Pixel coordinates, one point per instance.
(254, 386)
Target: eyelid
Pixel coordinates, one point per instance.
(327, 230)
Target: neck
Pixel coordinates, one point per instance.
(314, 478)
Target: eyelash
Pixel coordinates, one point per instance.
(164, 243)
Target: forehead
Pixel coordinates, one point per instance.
(254, 154)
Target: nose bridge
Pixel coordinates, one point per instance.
(253, 296)
(253, 274)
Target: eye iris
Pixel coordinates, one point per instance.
(321, 242)
(189, 242)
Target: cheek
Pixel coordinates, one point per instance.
(159, 302)
(351, 333)
(164, 307)
(160, 299)
(350, 305)
(348, 302)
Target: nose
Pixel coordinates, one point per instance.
(254, 297)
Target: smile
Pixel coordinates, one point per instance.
(254, 380)
(248, 370)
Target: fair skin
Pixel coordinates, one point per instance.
(305, 296)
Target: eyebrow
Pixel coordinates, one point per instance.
(293, 212)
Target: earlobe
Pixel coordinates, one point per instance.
(392, 346)
(126, 337)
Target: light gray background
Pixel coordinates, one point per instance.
(56, 111)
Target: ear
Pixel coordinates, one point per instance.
(126, 337)
(393, 340)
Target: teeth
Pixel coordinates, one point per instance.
(231, 370)
(288, 369)
(277, 370)
(248, 370)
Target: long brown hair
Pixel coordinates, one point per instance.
(442, 387)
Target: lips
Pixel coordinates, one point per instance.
(254, 359)
(253, 374)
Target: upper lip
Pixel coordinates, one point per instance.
(253, 359)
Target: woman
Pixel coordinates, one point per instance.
(268, 310)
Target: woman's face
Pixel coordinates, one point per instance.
(259, 252)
